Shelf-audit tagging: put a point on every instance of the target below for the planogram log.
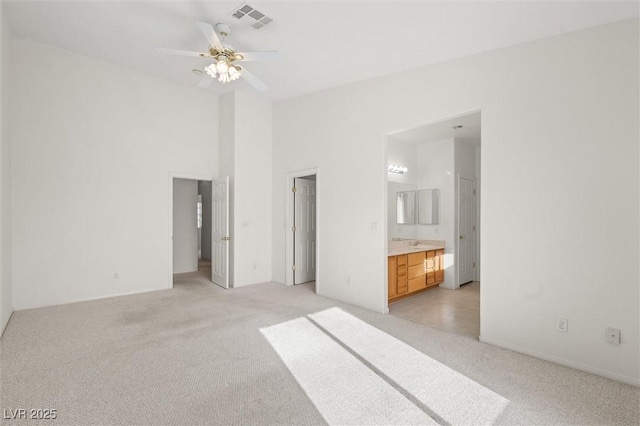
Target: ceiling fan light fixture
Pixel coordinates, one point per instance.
(224, 56)
(222, 66)
(223, 70)
(211, 70)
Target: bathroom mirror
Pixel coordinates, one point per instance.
(428, 206)
(406, 207)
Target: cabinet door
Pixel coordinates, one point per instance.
(439, 269)
(430, 268)
(402, 274)
(392, 277)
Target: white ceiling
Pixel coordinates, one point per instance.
(324, 44)
(469, 133)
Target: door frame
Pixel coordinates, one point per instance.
(289, 220)
(177, 175)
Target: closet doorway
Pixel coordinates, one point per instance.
(302, 226)
(190, 229)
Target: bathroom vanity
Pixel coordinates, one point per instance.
(414, 267)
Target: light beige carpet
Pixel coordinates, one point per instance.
(195, 355)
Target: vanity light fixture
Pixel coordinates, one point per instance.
(396, 169)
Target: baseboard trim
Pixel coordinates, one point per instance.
(89, 299)
(561, 361)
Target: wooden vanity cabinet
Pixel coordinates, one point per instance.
(392, 276)
(417, 271)
(397, 275)
(402, 274)
(430, 268)
(409, 273)
(439, 273)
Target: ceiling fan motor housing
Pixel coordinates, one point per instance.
(223, 29)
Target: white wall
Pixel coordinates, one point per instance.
(401, 154)
(245, 135)
(436, 170)
(5, 176)
(94, 146)
(185, 230)
(252, 189)
(465, 159)
(560, 185)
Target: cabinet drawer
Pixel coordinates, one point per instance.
(416, 284)
(416, 271)
(402, 287)
(402, 259)
(416, 258)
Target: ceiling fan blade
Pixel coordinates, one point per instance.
(210, 34)
(205, 82)
(180, 52)
(268, 55)
(253, 80)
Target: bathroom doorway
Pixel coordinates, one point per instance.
(443, 158)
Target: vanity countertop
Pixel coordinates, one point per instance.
(412, 246)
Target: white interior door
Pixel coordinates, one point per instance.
(304, 234)
(220, 232)
(466, 230)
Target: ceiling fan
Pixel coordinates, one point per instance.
(225, 67)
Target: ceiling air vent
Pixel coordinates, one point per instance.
(253, 17)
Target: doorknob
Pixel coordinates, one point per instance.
(462, 237)
(225, 238)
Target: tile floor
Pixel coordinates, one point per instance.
(455, 311)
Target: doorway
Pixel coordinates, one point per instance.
(191, 229)
(302, 229)
(466, 213)
(442, 157)
(204, 216)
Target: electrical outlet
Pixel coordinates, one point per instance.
(115, 276)
(562, 325)
(348, 280)
(612, 335)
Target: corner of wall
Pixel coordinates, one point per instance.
(6, 293)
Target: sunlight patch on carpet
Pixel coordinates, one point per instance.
(343, 389)
(453, 397)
